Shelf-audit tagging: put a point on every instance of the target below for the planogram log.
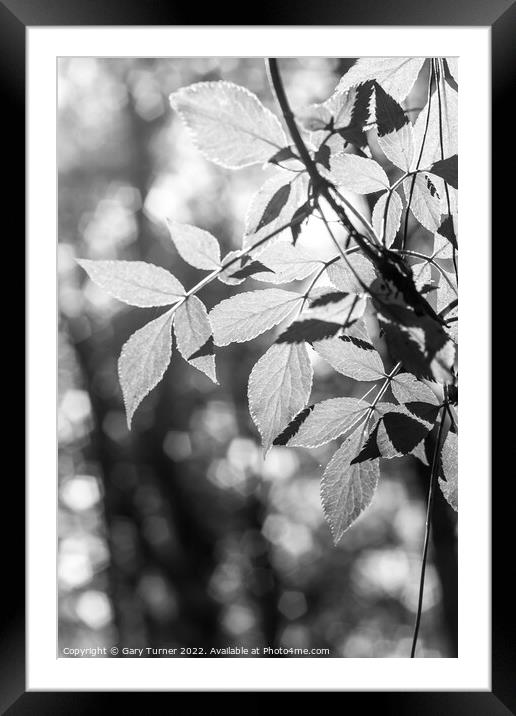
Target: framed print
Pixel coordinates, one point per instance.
(243, 317)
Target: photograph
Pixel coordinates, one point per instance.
(257, 390)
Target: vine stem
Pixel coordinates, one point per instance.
(320, 185)
(238, 256)
(343, 252)
(317, 276)
(430, 260)
(420, 156)
(431, 492)
(380, 394)
(371, 247)
(372, 234)
(391, 190)
(439, 77)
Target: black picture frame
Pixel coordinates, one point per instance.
(500, 15)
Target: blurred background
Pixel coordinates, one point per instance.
(179, 533)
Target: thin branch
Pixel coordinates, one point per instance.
(431, 492)
(304, 154)
(238, 256)
(413, 182)
(320, 185)
(381, 258)
(439, 76)
(380, 394)
(358, 215)
(343, 252)
(386, 210)
(430, 260)
(318, 275)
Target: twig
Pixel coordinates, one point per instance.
(441, 142)
(320, 185)
(431, 492)
(430, 260)
(318, 275)
(240, 255)
(413, 182)
(343, 252)
(372, 234)
(386, 210)
(380, 393)
(378, 255)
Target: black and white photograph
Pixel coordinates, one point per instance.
(258, 376)
(243, 314)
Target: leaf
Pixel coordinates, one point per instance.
(358, 174)
(407, 388)
(193, 333)
(447, 311)
(350, 308)
(251, 269)
(229, 124)
(298, 217)
(449, 459)
(329, 419)
(395, 133)
(227, 276)
(453, 66)
(390, 116)
(293, 426)
(427, 288)
(447, 299)
(419, 342)
(422, 274)
(279, 387)
(297, 196)
(144, 360)
(351, 280)
(326, 298)
(420, 452)
(284, 263)
(346, 490)
(398, 147)
(322, 156)
(426, 412)
(283, 155)
(425, 203)
(351, 360)
(446, 293)
(358, 342)
(432, 145)
(345, 113)
(370, 450)
(246, 315)
(447, 169)
(195, 246)
(447, 231)
(275, 205)
(402, 434)
(309, 330)
(135, 282)
(399, 432)
(396, 75)
(207, 349)
(395, 211)
(361, 113)
(315, 118)
(336, 112)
